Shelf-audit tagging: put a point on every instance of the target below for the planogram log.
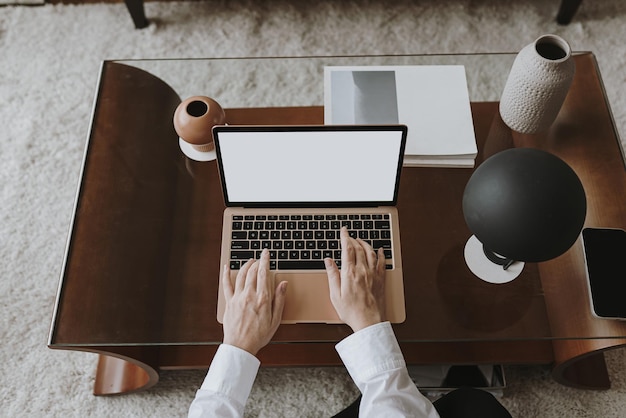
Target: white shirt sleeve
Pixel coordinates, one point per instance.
(227, 384)
(376, 364)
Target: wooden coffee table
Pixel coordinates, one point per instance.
(140, 275)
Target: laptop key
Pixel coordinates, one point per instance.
(384, 243)
(301, 265)
(241, 255)
(382, 225)
(239, 245)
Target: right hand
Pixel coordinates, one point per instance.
(358, 291)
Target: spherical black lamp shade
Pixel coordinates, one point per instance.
(525, 204)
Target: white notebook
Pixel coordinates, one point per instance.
(432, 100)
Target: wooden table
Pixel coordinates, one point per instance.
(140, 275)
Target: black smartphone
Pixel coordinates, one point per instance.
(605, 257)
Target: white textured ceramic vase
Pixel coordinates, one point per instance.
(539, 80)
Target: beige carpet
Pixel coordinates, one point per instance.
(49, 61)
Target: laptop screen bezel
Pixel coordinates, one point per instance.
(217, 130)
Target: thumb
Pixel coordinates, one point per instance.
(279, 302)
(334, 278)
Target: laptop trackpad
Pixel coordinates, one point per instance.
(308, 298)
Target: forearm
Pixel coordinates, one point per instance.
(375, 362)
(227, 384)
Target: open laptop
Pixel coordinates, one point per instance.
(291, 188)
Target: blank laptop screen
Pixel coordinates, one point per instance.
(309, 165)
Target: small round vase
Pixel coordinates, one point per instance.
(539, 80)
(194, 120)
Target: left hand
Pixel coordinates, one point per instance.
(254, 306)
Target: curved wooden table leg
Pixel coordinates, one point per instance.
(116, 376)
(123, 370)
(580, 364)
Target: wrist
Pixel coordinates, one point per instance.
(362, 323)
(251, 349)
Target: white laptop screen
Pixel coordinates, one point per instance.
(310, 166)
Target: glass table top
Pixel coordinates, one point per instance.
(143, 251)
(299, 81)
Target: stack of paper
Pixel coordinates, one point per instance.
(432, 100)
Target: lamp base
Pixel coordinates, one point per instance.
(485, 269)
(194, 154)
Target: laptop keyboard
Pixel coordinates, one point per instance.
(301, 242)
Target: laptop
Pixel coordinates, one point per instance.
(290, 189)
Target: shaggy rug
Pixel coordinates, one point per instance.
(49, 62)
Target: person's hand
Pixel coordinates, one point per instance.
(254, 306)
(358, 291)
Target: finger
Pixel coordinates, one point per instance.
(360, 251)
(380, 262)
(279, 304)
(240, 280)
(370, 255)
(227, 284)
(347, 248)
(380, 285)
(334, 279)
(264, 282)
(251, 276)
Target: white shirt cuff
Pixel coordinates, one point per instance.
(232, 373)
(371, 351)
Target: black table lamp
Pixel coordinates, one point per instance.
(522, 205)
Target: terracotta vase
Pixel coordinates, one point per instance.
(537, 85)
(194, 120)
